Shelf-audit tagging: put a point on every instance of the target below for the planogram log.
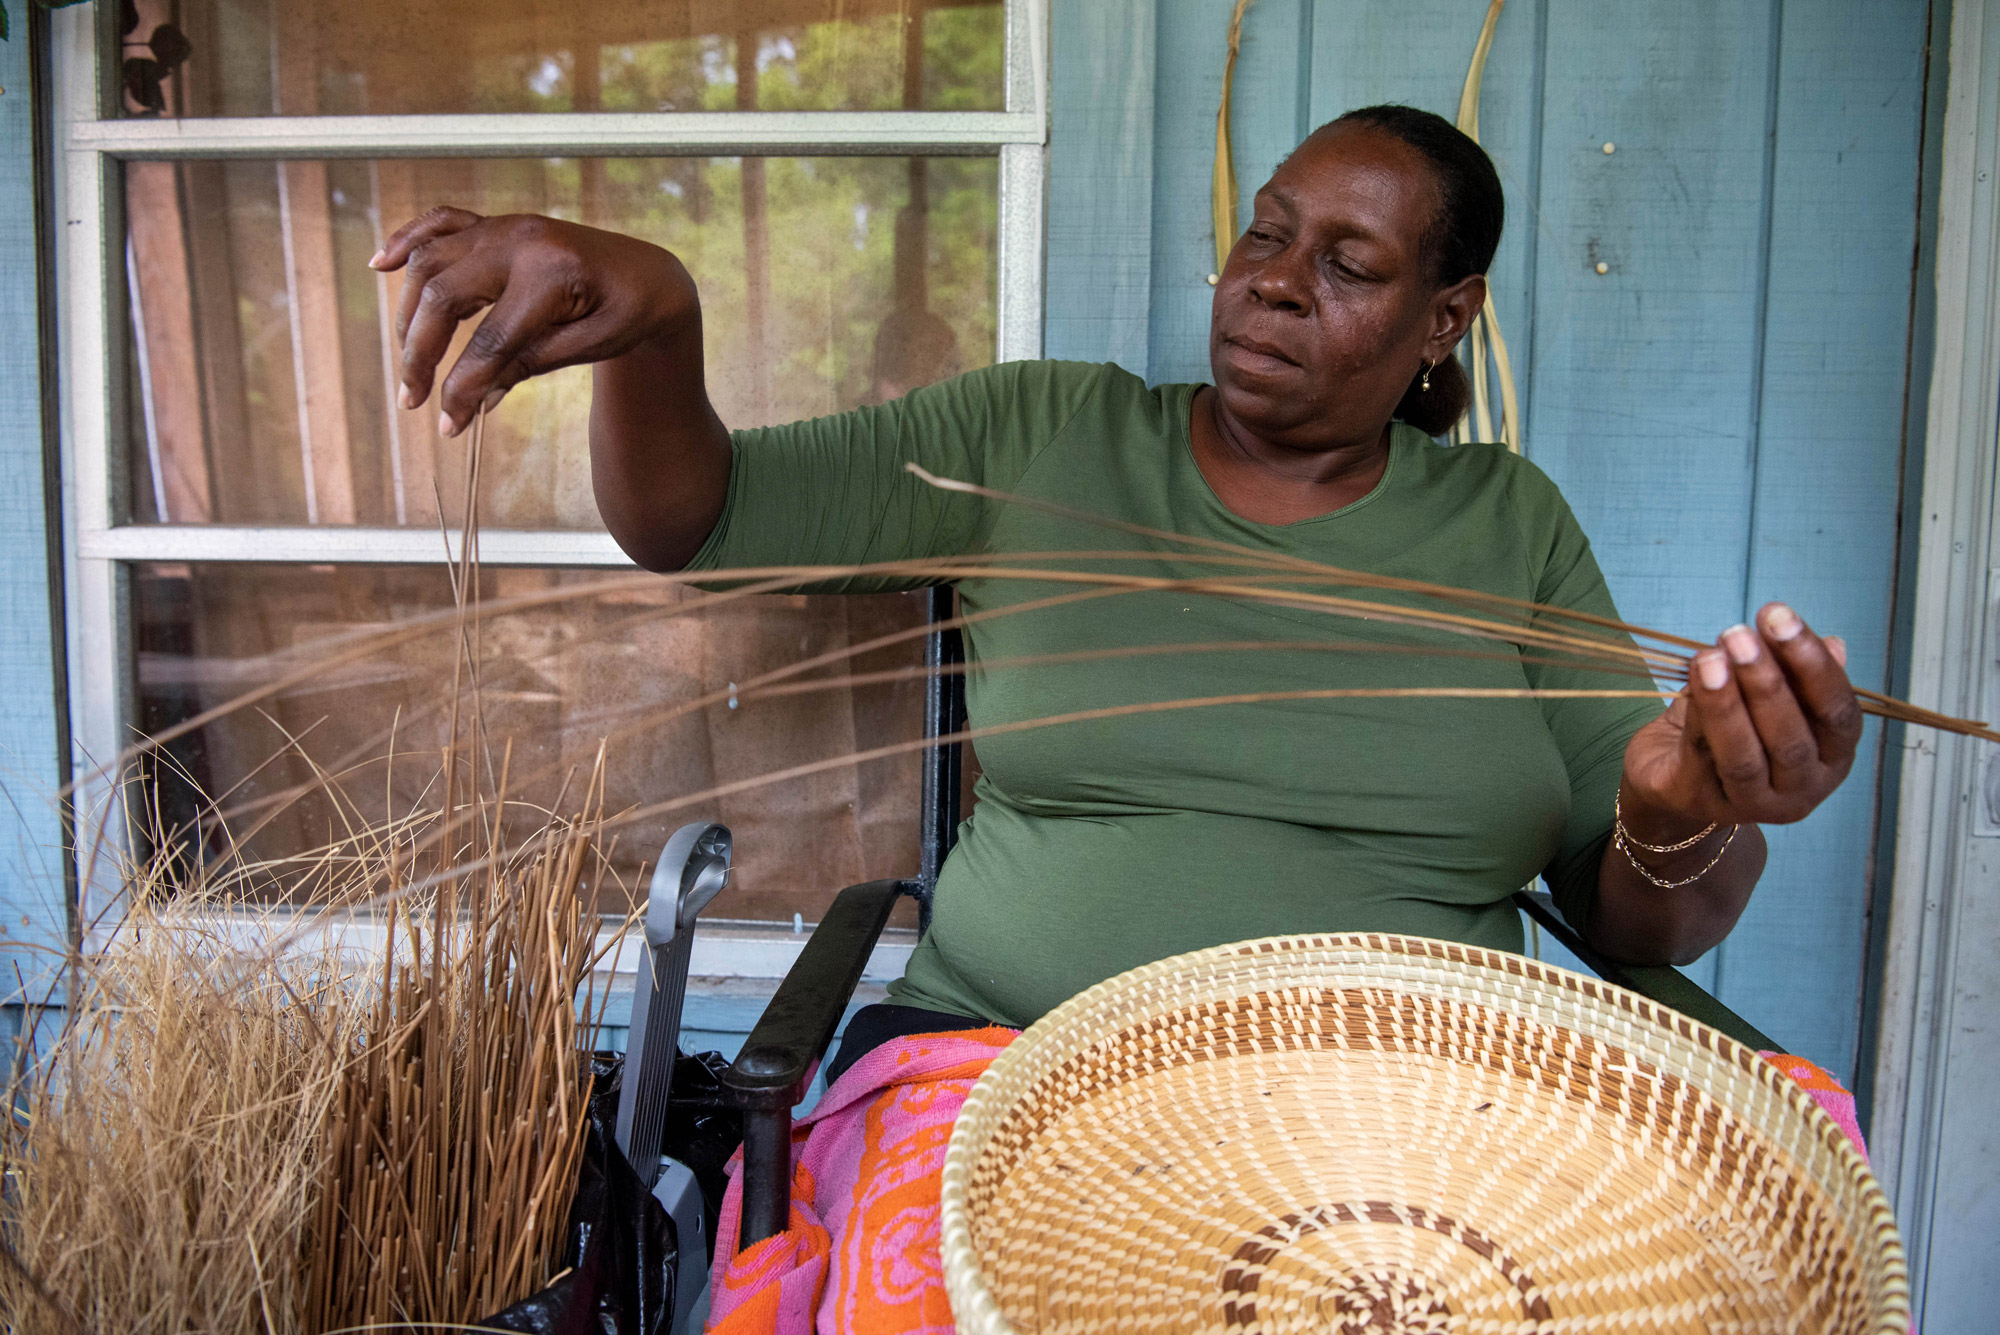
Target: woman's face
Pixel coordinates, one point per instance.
(1325, 311)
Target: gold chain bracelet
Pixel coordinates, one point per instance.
(1626, 843)
(1618, 815)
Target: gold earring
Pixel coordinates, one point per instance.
(1425, 384)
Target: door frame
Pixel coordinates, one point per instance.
(1946, 869)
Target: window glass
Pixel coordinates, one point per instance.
(591, 665)
(391, 57)
(264, 347)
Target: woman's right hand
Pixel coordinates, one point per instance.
(560, 294)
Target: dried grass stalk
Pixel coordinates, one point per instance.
(241, 1127)
(1527, 633)
(452, 1151)
(1578, 638)
(454, 1144)
(161, 1157)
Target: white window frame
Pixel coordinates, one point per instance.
(92, 143)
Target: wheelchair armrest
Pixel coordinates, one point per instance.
(1661, 983)
(777, 1061)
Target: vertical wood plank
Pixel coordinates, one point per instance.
(400, 199)
(1272, 108)
(329, 447)
(306, 218)
(1412, 53)
(236, 472)
(1191, 40)
(33, 914)
(1644, 378)
(1272, 104)
(1935, 1040)
(1824, 499)
(1100, 202)
(1510, 129)
(166, 305)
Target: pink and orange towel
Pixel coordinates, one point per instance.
(1834, 1101)
(861, 1254)
(862, 1250)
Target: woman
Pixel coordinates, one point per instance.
(1098, 847)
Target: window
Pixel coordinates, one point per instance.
(856, 185)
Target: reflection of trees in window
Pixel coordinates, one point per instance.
(268, 357)
(221, 57)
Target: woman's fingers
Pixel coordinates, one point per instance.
(1776, 715)
(427, 262)
(492, 361)
(1791, 748)
(1734, 747)
(1695, 781)
(558, 293)
(1818, 679)
(465, 287)
(428, 226)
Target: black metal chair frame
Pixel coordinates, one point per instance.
(775, 1068)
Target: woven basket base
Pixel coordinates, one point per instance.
(1372, 1213)
(1292, 1163)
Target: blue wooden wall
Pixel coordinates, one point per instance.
(1723, 407)
(33, 916)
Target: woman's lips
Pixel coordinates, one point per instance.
(1253, 354)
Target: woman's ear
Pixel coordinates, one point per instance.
(1452, 312)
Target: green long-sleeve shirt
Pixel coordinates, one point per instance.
(1099, 846)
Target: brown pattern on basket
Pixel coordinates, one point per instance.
(1225, 1147)
(1388, 1300)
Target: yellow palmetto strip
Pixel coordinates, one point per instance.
(1510, 403)
(1486, 329)
(1468, 100)
(1223, 188)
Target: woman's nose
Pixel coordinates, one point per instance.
(1278, 284)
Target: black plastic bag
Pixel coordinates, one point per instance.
(702, 1132)
(620, 1246)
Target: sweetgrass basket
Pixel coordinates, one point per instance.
(1376, 1133)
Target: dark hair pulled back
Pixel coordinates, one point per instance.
(1460, 241)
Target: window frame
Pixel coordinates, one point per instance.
(93, 141)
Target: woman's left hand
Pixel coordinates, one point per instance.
(1765, 731)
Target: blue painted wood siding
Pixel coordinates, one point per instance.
(33, 914)
(1723, 406)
